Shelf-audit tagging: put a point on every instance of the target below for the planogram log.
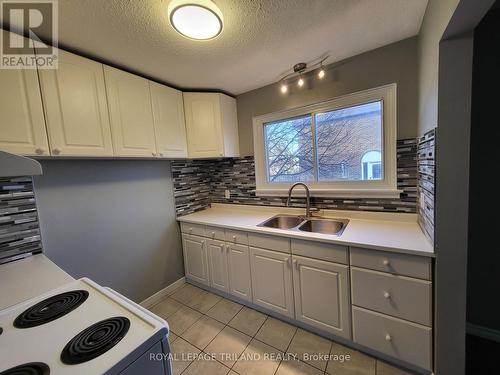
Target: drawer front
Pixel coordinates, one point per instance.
(398, 296)
(215, 233)
(406, 341)
(402, 264)
(194, 229)
(236, 236)
(318, 250)
(265, 241)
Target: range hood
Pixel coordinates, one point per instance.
(14, 165)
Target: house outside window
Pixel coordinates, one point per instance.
(342, 147)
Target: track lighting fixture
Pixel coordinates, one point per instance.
(299, 70)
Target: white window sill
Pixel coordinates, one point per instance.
(329, 193)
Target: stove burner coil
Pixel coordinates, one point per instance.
(33, 368)
(95, 340)
(51, 309)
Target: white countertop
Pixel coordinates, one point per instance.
(380, 231)
(29, 277)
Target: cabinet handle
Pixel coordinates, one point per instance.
(153, 153)
(385, 262)
(387, 295)
(296, 263)
(203, 242)
(39, 151)
(388, 337)
(160, 154)
(234, 238)
(221, 154)
(190, 230)
(287, 261)
(213, 234)
(56, 151)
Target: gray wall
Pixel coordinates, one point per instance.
(436, 18)
(112, 221)
(396, 62)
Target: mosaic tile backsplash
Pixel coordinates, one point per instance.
(19, 229)
(198, 183)
(426, 182)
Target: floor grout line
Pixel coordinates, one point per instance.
(252, 337)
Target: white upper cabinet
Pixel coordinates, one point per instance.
(169, 124)
(76, 109)
(131, 114)
(22, 125)
(211, 124)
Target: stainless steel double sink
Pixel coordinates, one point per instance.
(301, 223)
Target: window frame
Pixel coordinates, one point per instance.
(385, 188)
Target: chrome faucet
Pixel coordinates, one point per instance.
(308, 198)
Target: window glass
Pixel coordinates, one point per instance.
(289, 150)
(349, 143)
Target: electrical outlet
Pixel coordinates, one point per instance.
(227, 194)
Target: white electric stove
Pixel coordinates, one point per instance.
(82, 328)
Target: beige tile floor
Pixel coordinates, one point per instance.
(211, 335)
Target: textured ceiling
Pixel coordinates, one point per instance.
(261, 38)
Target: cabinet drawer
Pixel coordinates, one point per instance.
(402, 264)
(195, 229)
(236, 236)
(406, 341)
(266, 241)
(398, 296)
(215, 233)
(318, 250)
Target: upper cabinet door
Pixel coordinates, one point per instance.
(203, 125)
(168, 115)
(130, 112)
(76, 109)
(22, 125)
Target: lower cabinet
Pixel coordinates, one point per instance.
(321, 291)
(195, 258)
(272, 285)
(318, 284)
(240, 281)
(217, 265)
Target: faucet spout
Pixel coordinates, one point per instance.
(308, 198)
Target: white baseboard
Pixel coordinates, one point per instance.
(159, 295)
(484, 332)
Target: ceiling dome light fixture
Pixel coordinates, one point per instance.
(195, 19)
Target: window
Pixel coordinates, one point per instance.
(342, 147)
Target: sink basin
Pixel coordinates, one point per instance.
(282, 222)
(325, 226)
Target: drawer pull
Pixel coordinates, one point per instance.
(213, 234)
(387, 295)
(203, 242)
(190, 230)
(234, 238)
(388, 337)
(385, 262)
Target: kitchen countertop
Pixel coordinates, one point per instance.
(394, 232)
(29, 277)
